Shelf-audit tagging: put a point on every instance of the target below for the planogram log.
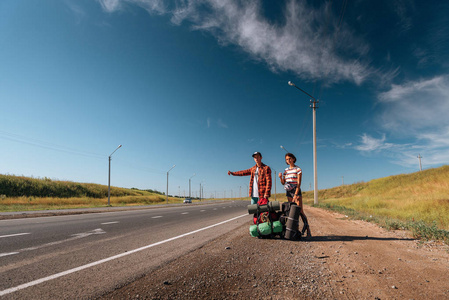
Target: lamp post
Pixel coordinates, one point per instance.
(284, 149)
(189, 185)
(167, 182)
(109, 177)
(314, 106)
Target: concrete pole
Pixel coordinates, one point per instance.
(315, 175)
(109, 183)
(420, 166)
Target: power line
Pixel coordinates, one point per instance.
(46, 145)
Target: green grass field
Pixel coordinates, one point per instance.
(417, 201)
(18, 193)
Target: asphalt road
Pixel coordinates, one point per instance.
(83, 256)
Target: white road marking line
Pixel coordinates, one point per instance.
(184, 213)
(74, 237)
(16, 234)
(155, 217)
(6, 254)
(108, 223)
(202, 210)
(38, 281)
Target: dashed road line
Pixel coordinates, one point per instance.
(16, 234)
(57, 275)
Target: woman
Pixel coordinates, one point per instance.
(291, 179)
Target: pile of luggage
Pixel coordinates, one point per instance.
(272, 219)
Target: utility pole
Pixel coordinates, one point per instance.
(314, 106)
(420, 166)
(342, 180)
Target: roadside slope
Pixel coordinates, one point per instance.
(344, 260)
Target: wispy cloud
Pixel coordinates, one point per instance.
(369, 143)
(309, 41)
(416, 107)
(221, 124)
(416, 112)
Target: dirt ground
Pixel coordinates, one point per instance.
(344, 259)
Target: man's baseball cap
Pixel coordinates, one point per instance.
(255, 153)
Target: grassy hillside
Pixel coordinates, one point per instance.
(408, 200)
(23, 193)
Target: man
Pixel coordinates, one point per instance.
(260, 181)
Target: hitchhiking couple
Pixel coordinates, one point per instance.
(260, 182)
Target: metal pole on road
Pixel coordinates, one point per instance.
(109, 177)
(167, 183)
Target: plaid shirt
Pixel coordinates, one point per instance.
(264, 183)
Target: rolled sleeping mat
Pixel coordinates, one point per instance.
(291, 227)
(274, 206)
(252, 209)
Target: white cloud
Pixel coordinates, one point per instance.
(369, 143)
(110, 5)
(416, 107)
(416, 116)
(304, 43)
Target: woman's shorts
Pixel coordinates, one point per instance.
(292, 193)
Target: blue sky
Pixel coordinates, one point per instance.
(203, 84)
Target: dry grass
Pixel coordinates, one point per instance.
(421, 196)
(46, 203)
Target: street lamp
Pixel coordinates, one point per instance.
(202, 189)
(284, 149)
(109, 177)
(315, 176)
(167, 182)
(189, 185)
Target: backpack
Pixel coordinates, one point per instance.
(266, 216)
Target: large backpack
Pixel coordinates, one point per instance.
(265, 219)
(266, 216)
